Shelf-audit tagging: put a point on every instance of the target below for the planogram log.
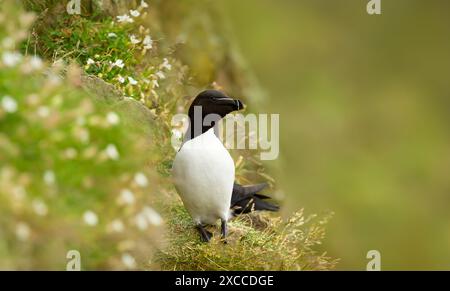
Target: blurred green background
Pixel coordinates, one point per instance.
(364, 111)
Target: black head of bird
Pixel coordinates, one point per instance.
(208, 108)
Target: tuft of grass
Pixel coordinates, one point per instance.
(257, 241)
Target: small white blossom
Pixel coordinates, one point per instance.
(70, 153)
(155, 84)
(124, 18)
(116, 225)
(160, 75)
(132, 81)
(90, 218)
(118, 63)
(49, 177)
(54, 79)
(144, 4)
(126, 197)
(147, 216)
(141, 221)
(9, 104)
(128, 261)
(112, 152)
(22, 231)
(166, 65)
(135, 13)
(152, 216)
(121, 79)
(141, 179)
(90, 61)
(35, 63)
(112, 34)
(39, 207)
(11, 59)
(82, 134)
(43, 111)
(112, 118)
(134, 40)
(148, 42)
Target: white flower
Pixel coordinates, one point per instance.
(147, 216)
(90, 61)
(141, 221)
(126, 197)
(141, 179)
(128, 261)
(112, 152)
(124, 18)
(144, 4)
(148, 42)
(112, 34)
(11, 59)
(166, 64)
(112, 118)
(70, 153)
(132, 81)
(121, 79)
(43, 111)
(22, 231)
(90, 218)
(9, 104)
(39, 207)
(82, 134)
(134, 40)
(116, 225)
(54, 79)
(160, 75)
(49, 177)
(118, 63)
(155, 84)
(35, 63)
(152, 216)
(134, 13)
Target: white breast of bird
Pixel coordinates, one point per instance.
(203, 173)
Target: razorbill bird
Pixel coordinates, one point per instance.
(204, 172)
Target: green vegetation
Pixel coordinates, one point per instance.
(85, 142)
(256, 242)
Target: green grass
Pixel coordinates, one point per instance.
(257, 241)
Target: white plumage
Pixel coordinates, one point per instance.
(203, 173)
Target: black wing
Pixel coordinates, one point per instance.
(246, 199)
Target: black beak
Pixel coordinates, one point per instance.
(236, 104)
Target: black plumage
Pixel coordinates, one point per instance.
(246, 199)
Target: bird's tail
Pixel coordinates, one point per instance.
(246, 199)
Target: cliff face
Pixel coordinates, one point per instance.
(87, 134)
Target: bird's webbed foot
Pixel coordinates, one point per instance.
(205, 235)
